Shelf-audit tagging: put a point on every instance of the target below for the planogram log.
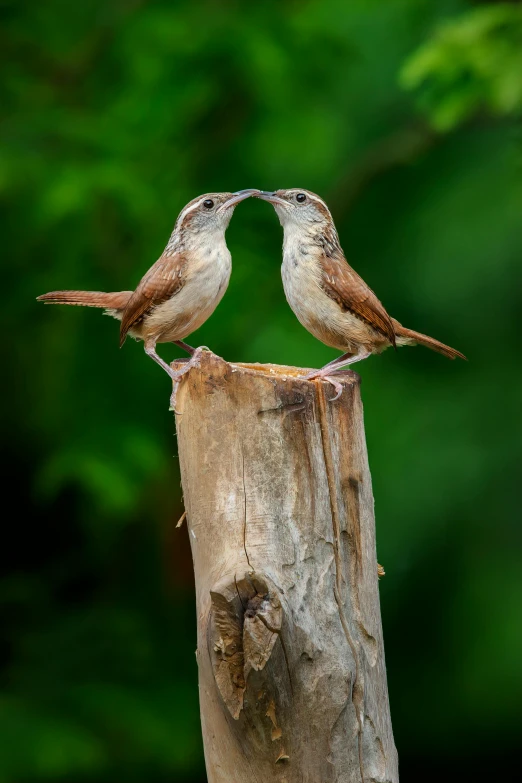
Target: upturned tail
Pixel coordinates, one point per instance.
(409, 337)
(111, 301)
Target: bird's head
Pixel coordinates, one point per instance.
(298, 208)
(211, 212)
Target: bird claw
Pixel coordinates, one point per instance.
(320, 374)
(337, 386)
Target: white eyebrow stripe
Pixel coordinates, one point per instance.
(315, 198)
(311, 196)
(318, 200)
(191, 208)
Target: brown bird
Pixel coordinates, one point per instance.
(181, 290)
(328, 297)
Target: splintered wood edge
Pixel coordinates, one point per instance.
(347, 377)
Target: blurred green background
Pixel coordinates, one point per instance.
(405, 115)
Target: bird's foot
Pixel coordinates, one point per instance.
(334, 367)
(177, 375)
(326, 374)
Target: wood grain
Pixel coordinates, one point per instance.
(280, 515)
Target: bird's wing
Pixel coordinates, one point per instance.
(163, 280)
(348, 289)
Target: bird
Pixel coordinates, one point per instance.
(328, 297)
(181, 290)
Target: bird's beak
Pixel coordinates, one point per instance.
(239, 195)
(271, 197)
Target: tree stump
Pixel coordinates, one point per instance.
(280, 516)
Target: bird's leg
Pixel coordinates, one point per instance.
(328, 370)
(339, 358)
(178, 374)
(342, 361)
(186, 347)
(150, 350)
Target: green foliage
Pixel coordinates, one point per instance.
(472, 63)
(115, 115)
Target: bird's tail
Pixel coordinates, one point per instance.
(111, 301)
(409, 337)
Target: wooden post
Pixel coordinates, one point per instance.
(280, 515)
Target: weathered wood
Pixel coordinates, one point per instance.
(280, 516)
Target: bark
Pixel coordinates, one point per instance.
(280, 515)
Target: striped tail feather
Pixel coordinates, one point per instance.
(111, 301)
(410, 337)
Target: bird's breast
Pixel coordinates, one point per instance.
(317, 312)
(207, 274)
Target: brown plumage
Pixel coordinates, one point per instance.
(163, 280)
(114, 301)
(342, 284)
(410, 337)
(328, 297)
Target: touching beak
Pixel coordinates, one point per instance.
(271, 197)
(239, 195)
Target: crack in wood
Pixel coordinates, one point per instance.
(245, 512)
(288, 407)
(239, 594)
(336, 524)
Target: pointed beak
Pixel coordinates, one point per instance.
(239, 195)
(266, 195)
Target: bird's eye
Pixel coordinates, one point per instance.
(301, 198)
(208, 203)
